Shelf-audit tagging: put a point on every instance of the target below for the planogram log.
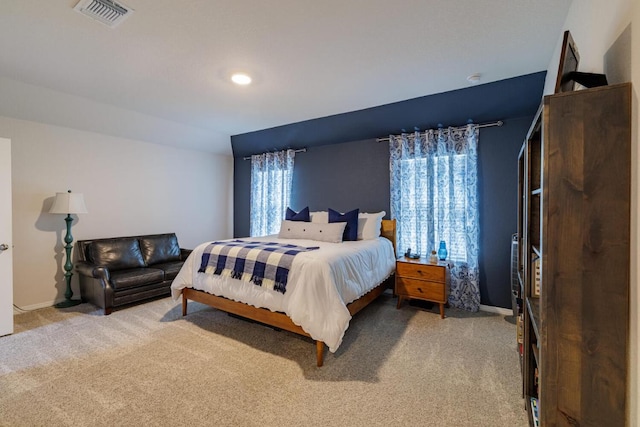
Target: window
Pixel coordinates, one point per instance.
(434, 197)
(271, 177)
(441, 207)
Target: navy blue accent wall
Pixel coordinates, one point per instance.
(498, 150)
(339, 176)
(335, 176)
(345, 168)
(505, 99)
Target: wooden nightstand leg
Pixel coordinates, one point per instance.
(442, 310)
(399, 302)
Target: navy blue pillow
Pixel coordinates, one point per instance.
(303, 215)
(351, 218)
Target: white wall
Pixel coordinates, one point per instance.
(42, 105)
(595, 26)
(600, 29)
(130, 187)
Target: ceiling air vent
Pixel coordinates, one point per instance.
(108, 12)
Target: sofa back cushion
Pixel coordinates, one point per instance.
(160, 248)
(116, 254)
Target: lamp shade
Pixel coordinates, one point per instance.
(68, 203)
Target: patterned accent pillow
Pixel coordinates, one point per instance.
(351, 218)
(331, 233)
(303, 215)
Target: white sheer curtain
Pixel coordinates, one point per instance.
(434, 197)
(271, 177)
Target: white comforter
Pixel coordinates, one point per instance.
(321, 283)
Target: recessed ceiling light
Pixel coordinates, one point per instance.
(474, 78)
(241, 79)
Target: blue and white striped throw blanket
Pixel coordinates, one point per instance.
(265, 264)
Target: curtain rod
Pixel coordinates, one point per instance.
(301, 150)
(483, 125)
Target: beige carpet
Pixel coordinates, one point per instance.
(148, 366)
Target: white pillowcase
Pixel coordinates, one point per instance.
(331, 233)
(369, 225)
(320, 216)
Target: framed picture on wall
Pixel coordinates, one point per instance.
(569, 59)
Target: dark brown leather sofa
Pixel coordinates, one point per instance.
(123, 270)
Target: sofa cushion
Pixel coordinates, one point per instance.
(170, 268)
(132, 277)
(116, 254)
(163, 248)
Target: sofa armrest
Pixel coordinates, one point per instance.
(94, 271)
(95, 285)
(184, 253)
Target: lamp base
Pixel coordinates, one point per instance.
(68, 303)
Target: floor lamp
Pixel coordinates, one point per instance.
(68, 203)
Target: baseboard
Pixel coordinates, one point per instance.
(498, 310)
(32, 307)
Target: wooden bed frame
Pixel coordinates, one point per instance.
(281, 320)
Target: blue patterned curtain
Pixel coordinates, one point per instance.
(434, 197)
(271, 176)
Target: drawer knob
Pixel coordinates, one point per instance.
(420, 290)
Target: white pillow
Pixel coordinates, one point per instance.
(369, 225)
(313, 231)
(320, 216)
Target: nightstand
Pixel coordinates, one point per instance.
(417, 278)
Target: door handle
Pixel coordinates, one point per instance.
(4, 247)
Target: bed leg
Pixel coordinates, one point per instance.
(184, 305)
(320, 352)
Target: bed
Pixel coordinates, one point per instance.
(326, 287)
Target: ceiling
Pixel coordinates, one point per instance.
(170, 61)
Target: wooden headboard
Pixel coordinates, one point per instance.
(388, 230)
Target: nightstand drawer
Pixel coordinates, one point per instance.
(420, 289)
(421, 271)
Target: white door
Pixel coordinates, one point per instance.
(6, 250)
